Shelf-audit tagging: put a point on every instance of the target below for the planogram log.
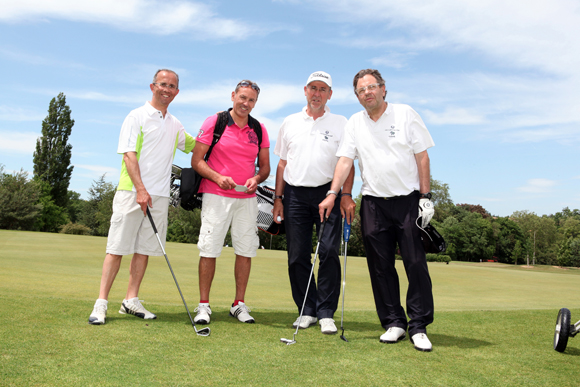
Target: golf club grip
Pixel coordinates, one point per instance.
(346, 231)
(151, 220)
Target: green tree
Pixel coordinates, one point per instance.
(53, 152)
(441, 200)
(96, 212)
(507, 234)
(19, 205)
(183, 226)
(517, 253)
(52, 217)
(74, 207)
(542, 236)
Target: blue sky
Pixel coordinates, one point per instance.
(496, 82)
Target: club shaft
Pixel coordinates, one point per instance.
(309, 279)
(170, 268)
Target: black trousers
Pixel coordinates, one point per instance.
(385, 223)
(300, 214)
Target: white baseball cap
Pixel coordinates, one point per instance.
(320, 76)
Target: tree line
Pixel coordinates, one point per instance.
(44, 203)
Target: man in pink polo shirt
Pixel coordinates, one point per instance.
(225, 203)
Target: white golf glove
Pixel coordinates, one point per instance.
(426, 211)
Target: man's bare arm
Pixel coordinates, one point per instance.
(423, 165)
(200, 166)
(132, 165)
(280, 186)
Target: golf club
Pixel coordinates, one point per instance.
(345, 237)
(293, 341)
(202, 332)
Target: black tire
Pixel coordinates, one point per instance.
(562, 331)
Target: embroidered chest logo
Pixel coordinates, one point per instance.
(392, 131)
(326, 135)
(252, 137)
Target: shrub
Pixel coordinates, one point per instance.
(438, 258)
(75, 229)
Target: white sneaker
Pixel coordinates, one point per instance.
(305, 322)
(99, 314)
(241, 311)
(327, 326)
(421, 342)
(393, 335)
(133, 306)
(203, 312)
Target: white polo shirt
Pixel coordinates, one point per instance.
(386, 149)
(155, 139)
(309, 147)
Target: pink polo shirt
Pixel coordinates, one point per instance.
(234, 155)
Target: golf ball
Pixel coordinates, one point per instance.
(279, 218)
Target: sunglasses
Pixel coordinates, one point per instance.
(248, 84)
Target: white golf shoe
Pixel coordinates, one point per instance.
(305, 322)
(393, 335)
(133, 306)
(203, 313)
(242, 313)
(327, 326)
(99, 315)
(421, 342)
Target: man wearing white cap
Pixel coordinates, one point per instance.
(307, 145)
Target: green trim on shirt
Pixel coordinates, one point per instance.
(125, 182)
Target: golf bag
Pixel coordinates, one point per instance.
(175, 186)
(265, 196)
(184, 187)
(433, 242)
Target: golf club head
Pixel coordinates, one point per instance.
(288, 342)
(203, 331)
(342, 336)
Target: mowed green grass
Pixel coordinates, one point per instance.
(493, 325)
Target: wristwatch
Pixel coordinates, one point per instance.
(278, 197)
(330, 192)
(425, 195)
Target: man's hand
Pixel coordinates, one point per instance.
(325, 207)
(347, 208)
(144, 200)
(278, 211)
(226, 182)
(426, 211)
(252, 185)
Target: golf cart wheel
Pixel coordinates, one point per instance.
(562, 330)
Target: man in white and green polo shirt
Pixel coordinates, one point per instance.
(150, 135)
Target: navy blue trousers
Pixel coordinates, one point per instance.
(300, 215)
(385, 223)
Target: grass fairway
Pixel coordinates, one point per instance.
(493, 325)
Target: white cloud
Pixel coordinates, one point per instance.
(538, 186)
(453, 116)
(96, 171)
(146, 16)
(18, 142)
(542, 34)
(10, 113)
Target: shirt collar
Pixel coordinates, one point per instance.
(306, 116)
(152, 111)
(387, 111)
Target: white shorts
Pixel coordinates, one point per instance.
(131, 231)
(217, 214)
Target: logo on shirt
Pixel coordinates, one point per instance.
(252, 137)
(326, 136)
(200, 133)
(392, 131)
